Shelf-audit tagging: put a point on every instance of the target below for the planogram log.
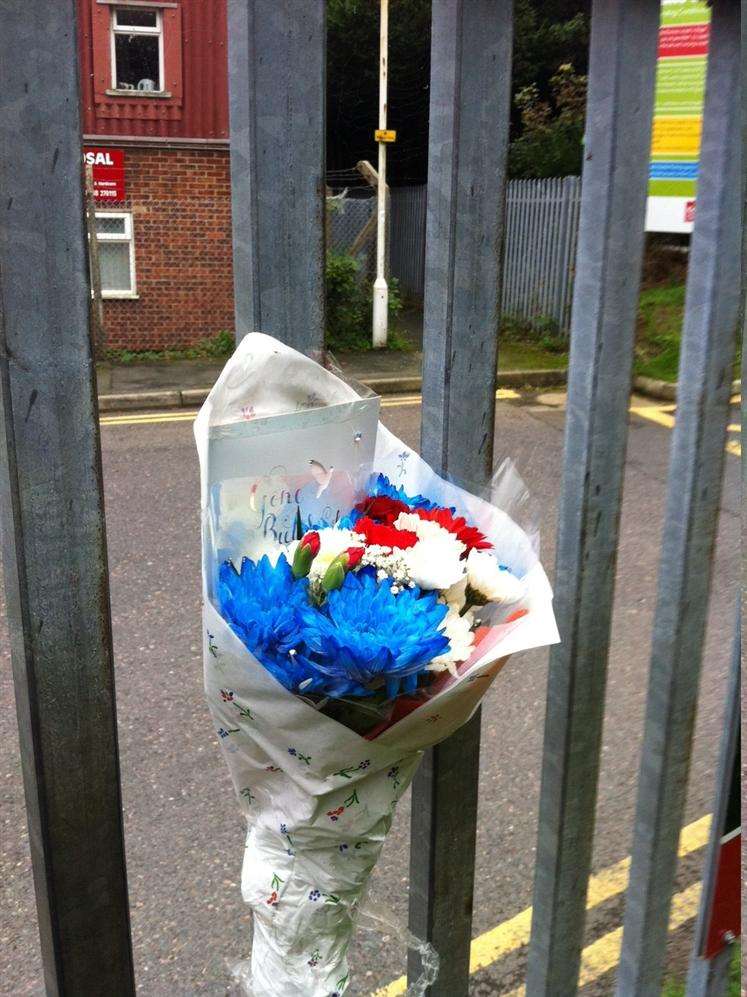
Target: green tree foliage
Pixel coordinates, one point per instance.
(353, 84)
(350, 304)
(550, 143)
(548, 34)
(551, 46)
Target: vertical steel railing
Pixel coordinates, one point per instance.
(50, 471)
(615, 174)
(276, 83)
(693, 496)
(54, 544)
(470, 93)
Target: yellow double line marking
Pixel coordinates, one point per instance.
(663, 415)
(394, 401)
(144, 418)
(603, 954)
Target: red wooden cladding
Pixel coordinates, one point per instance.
(195, 69)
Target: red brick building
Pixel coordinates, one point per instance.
(154, 95)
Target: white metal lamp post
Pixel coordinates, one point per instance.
(381, 290)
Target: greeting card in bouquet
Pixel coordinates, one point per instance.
(271, 479)
(357, 608)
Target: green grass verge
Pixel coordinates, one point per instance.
(516, 355)
(661, 311)
(657, 347)
(676, 988)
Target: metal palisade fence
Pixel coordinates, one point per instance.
(50, 469)
(541, 234)
(540, 247)
(407, 250)
(541, 222)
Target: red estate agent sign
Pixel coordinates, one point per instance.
(108, 173)
(724, 923)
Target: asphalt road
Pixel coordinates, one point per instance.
(183, 831)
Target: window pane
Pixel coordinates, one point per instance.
(137, 62)
(128, 17)
(114, 263)
(110, 225)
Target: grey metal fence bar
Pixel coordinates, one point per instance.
(694, 490)
(540, 246)
(276, 52)
(54, 546)
(470, 92)
(618, 133)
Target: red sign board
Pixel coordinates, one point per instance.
(107, 166)
(725, 922)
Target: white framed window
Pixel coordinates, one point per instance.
(137, 50)
(116, 254)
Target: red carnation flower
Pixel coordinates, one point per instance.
(382, 509)
(312, 541)
(355, 555)
(470, 536)
(383, 535)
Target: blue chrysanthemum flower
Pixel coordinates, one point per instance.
(366, 638)
(261, 604)
(381, 485)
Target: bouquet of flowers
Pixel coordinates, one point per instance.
(357, 608)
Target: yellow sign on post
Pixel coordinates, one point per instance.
(385, 135)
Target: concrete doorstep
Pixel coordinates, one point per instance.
(383, 385)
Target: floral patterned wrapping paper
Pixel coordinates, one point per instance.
(318, 797)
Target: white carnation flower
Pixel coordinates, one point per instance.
(333, 541)
(489, 582)
(435, 563)
(458, 629)
(456, 596)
